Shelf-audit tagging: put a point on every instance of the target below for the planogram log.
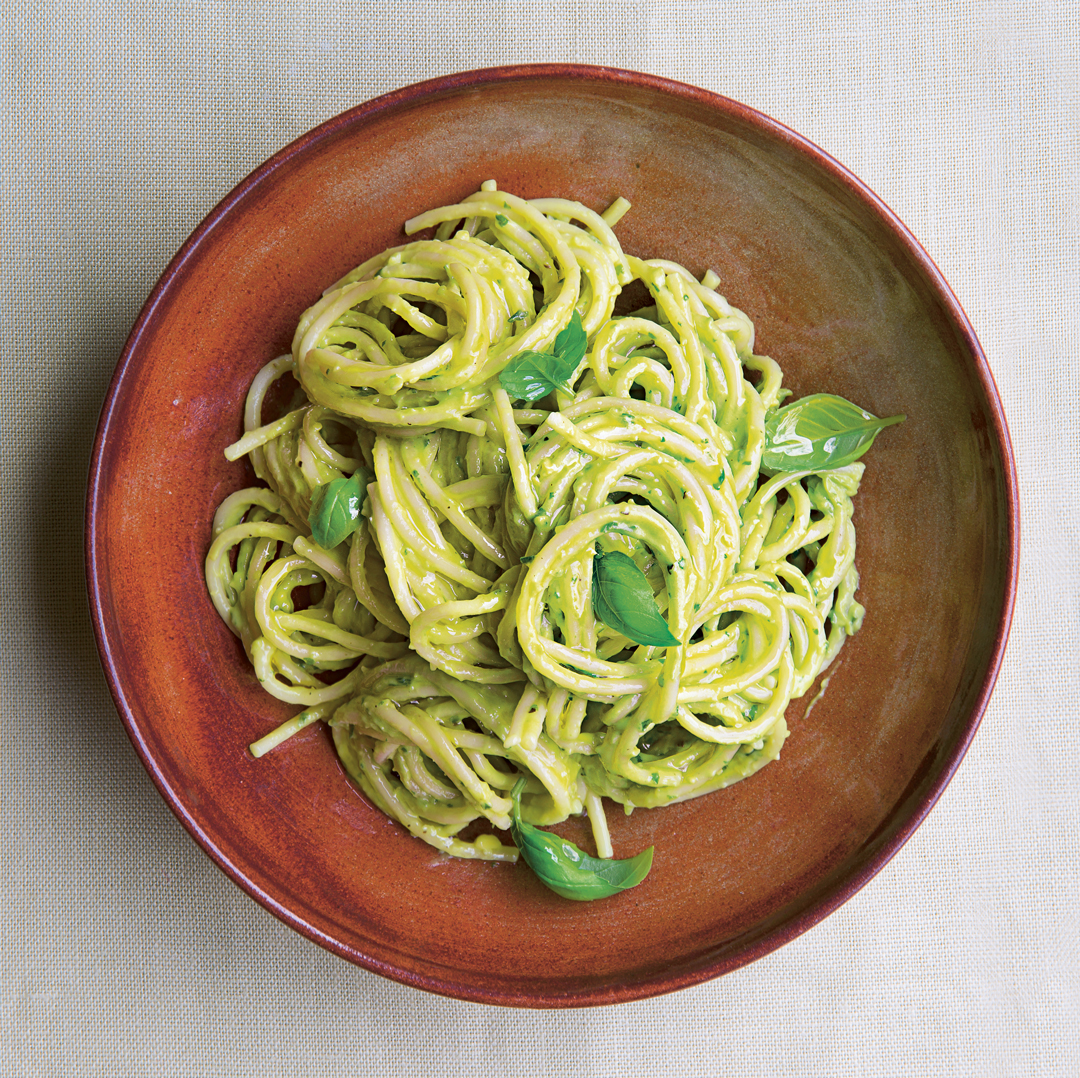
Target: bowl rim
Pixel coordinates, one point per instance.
(762, 941)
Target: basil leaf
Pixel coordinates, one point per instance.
(819, 432)
(335, 508)
(571, 342)
(623, 599)
(531, 375)
(568, 870)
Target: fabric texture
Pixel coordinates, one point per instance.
(125, 951)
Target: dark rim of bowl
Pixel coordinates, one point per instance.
(766, 938)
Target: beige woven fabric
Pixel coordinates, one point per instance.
(125, 952)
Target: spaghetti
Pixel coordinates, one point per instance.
(456, 640)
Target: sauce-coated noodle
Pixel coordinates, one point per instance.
(452, 641)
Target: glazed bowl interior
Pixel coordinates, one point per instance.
(841, 296)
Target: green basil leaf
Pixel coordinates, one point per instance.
(502, 219)
(568, 870)
(571, 342)
(819, 432)
(531, 375)
(518, 316)
(335, 508)
(623, 600)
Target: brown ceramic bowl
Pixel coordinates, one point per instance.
(842, 296)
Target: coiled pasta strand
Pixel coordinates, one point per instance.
(452, 640)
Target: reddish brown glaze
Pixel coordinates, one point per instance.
(842, 296)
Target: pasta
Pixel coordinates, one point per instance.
(475, 623)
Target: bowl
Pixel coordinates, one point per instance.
(841, 295)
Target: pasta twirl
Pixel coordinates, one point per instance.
(453, 641)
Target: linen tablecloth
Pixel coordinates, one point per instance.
(125, 951)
